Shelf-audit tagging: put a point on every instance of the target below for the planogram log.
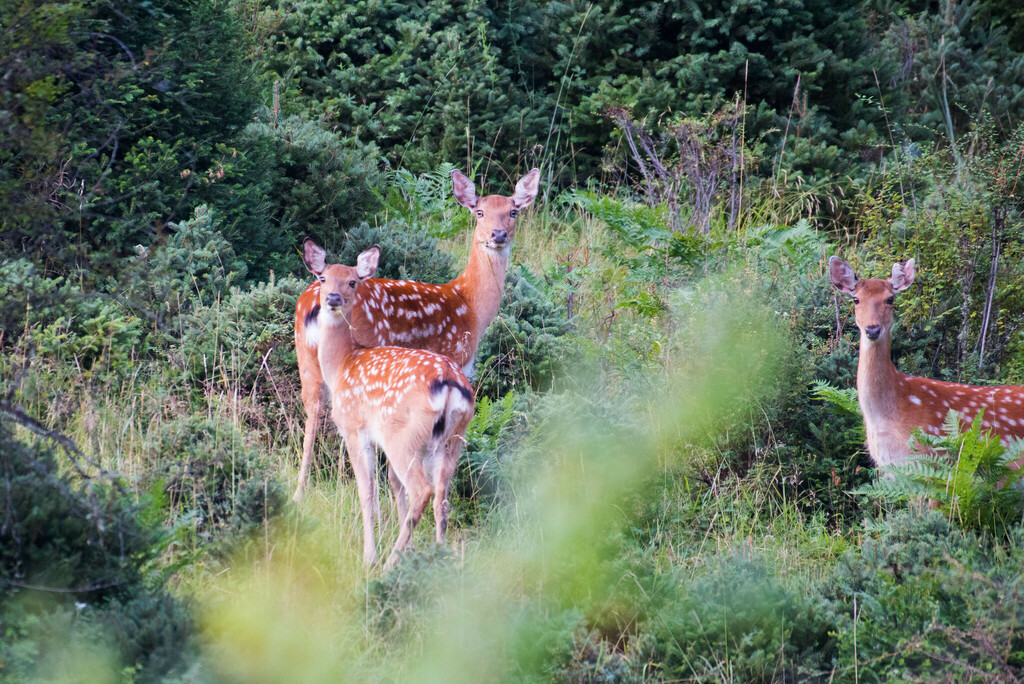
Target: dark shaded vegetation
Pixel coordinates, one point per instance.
(160, 163)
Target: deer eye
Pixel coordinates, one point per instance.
(889, 300)
(352, 283)
(513, 213)
(322, 279)
(856, 301)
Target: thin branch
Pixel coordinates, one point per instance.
(124, 47)
(62, 590)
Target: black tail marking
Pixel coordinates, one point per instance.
(438, 385)
(439, 427)
(312, 315)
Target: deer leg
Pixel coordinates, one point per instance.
(312, 381)
(418, 488)
(442, 480)
(364, 465)
(399, 489)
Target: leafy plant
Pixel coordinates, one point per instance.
(526, 345)
(921, 600)
(425, 202)
(404, 254)
(970, 475)
(843, 400)
(481, 463)
(738, 621)
(210, 474)
(73, 556)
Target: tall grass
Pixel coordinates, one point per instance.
(545, 561)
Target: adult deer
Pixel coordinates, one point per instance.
(448, 319)
(414, 404)
(894, 404)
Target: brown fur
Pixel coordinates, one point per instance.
(393, 398)
(894, 404)
(448, 319)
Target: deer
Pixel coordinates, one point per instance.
(448, 319)
(412, 403)
(895, 404)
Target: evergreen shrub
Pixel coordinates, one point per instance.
(210, 475)
(527, 344)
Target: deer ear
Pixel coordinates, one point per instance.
(843, 277)
(526, 189)
(902, 275)
(366, 263)
(465, 191)
(314, 256)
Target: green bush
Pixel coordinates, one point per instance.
(211, 478)
(526, 345)
(74, 557)
(405, 254)
(226, 340)
(149, 117)
(58, 321)
(407, 590)
(195, 266)
(739, 622)
(923, 601)
(481, 466)
(306, 179)
(62, 535)
(412, 77)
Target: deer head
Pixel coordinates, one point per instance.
(495, 214)
(872, 298)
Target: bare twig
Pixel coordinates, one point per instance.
(998, 221)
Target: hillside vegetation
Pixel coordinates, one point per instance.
(665, 478)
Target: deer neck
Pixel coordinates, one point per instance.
(482, 283)
(877, 381)
(336, 345)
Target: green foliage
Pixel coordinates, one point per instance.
(591, 658)
(425, 203)
(72, 557)
(243, 340)
(414, 77)
(526, 345)
(194, 267)
(738, 622)
(843, 400)
(55, 319)
(986, 71)
(481, 468)
(404, 254)
(36, 40)
(306, 179)
(955, 323)
(641, 240)
(408, 589)
(971, 476)
(152, 115)
(152, 635)
(922, 601)
(819, 449)
(60, 535)
(212, 477)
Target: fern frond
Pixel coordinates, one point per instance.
(845, 400)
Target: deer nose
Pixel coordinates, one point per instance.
(499, 236)
(872, 331)
(333, 299)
